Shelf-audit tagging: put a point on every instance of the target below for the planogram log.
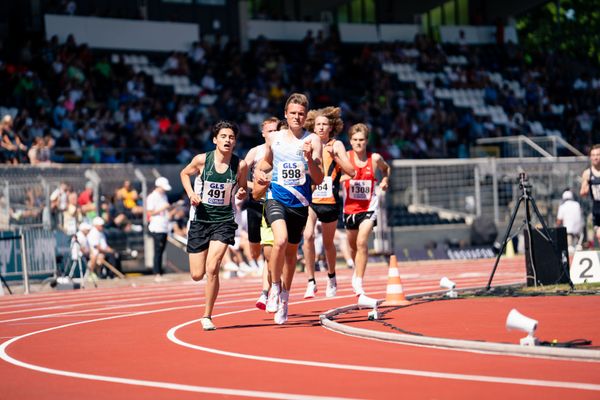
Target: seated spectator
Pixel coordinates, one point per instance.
(82, 240)
(13, 150)
(128, 197)
(100, 251)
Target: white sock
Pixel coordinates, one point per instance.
(253, 264)
(357, 282)
(350, 263)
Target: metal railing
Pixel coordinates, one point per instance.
(531, 146)
(483, 185)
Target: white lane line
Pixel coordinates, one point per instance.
(120, 306)
(171, 334)
(146, 383)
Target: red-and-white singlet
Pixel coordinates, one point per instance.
(359, 192)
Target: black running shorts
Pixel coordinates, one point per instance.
(295, 218)
(326, 212)
(353, 221)
(200, 234)
(254, 211)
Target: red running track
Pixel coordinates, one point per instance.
(146, 343)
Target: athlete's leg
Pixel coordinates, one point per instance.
(291, 256)
(266, 276)
(280, 241)
(342, 244)
(351, 235)
(254, 251)
(198, 265)
(330, 250)
(362, 247)
(216, 250)
(308, 247)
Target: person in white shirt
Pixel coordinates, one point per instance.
(570, 216)
(160, 212)
(99, 248)
(82, 240)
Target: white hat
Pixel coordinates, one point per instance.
(84, 226)
(567, 195)
(97, 221)
(162, 183)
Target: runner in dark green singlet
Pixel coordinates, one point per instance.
(212, 226)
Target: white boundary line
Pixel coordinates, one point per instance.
(139, 382)
(171, 334)
(249, 393)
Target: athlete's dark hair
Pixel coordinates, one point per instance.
(297, 98)
(225, 125)
(282, 124)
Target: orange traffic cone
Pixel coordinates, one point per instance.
(394, 292)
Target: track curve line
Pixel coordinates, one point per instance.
(140, 382)
(172, 335)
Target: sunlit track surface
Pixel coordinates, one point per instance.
(145, 342)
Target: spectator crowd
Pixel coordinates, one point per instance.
(78, 105)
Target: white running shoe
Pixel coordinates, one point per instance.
(261, 303)
(273, 299)
(311, 289)
(207, 324)
(281, 316)
(331, 289)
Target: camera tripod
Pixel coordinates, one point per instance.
(527, 199)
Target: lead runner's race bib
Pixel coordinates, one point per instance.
(360, 189)
(217, 193)
(291, 173)
(324, 190)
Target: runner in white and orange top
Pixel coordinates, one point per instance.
(360, 199)
(325, 205)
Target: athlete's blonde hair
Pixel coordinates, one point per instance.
(333, 114)
(268, 121)
(357, 128)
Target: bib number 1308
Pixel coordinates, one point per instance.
(360, 189)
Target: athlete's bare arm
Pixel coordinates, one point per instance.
(385, 171)
(313, 150)
(242, 180)
(195, 167)
(250, 160)
(340, 156)
(585, 183)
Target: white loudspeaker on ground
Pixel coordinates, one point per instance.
(517, 321)
(365, 301)
(448, 284)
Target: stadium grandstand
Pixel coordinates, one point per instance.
(384, 199)
(95, 93)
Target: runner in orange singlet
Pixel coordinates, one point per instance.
(325, 205)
